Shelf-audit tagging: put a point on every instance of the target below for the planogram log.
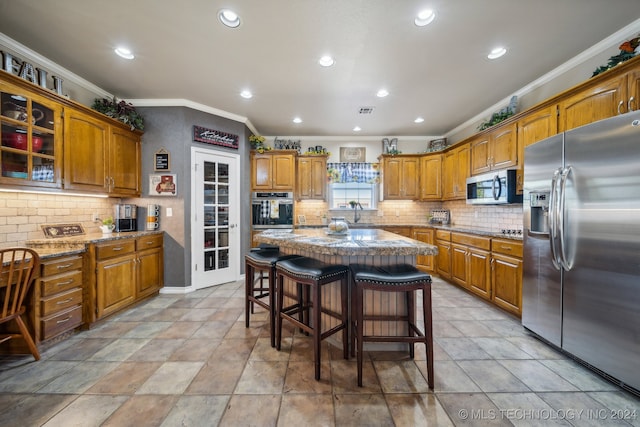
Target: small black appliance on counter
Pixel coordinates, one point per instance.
(125, 217)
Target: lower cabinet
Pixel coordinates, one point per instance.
(57, 297)
(425, 262)
(123, 271)
(470, 261)
(506, 275)
(443, 260)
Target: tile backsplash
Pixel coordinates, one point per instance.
(23, 214)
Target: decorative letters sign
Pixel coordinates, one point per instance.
(215, 137)
(26, 71)
(62, 230)
(162, 160)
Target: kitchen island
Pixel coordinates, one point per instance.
(360, 246)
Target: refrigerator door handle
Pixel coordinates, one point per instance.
(561, 230)
(553, 217)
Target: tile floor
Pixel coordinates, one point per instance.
(188, 360)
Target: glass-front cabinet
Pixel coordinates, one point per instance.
(31, 146)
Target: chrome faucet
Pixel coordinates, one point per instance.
(356, 214)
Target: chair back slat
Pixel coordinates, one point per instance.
(18, 268)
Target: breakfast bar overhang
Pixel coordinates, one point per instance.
(356, 246)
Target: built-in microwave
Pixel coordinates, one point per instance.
(494, 188)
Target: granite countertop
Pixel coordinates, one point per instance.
(48, 248)
(355, 242)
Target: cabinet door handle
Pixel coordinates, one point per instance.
(65, 301)
(629, 104)
(60, 267)
(65, 283)
(619, 106)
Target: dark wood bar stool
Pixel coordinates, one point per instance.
(262, 260)
(394, 278)
(312, 275)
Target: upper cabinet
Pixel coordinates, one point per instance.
(431, 177)
(455, 171)
(50, 141)
(496, 149)
(31, 148)
(109, 164)
(533, 127)
(312, 177)
(273, 170)
(400, 177)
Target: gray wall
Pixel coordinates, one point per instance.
(171, 128)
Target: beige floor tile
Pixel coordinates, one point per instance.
(262, 378)
(180, 330)
(252, 410)
(193, 350)
(306, 410)
(362, 410)
(300, 378)
(400, 377)
(196, 411)
(171, 378)
(410, 410)
(87, 411)
(149, 410)
(127, 378)
(217, 378)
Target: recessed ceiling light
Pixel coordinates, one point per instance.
(326, 61)
(357, 129)
(497, 53)
(229, 18)
(123, 52)
(425, 17)
(246, 94)
(382, 93)
(297, 120)
(418, 120)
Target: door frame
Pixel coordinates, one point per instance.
(196, 228)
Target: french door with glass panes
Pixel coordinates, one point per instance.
(215, 236)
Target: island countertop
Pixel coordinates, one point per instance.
(355, 242)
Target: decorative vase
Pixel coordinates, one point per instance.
(107, 229)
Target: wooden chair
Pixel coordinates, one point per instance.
(18, 268)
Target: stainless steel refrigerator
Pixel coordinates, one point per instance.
(581, 285)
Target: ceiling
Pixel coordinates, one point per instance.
(439, 72)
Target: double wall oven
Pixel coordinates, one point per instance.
(272, 210)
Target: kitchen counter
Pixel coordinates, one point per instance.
(356, 242)
(49, 248)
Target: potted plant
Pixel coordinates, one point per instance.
(107, 225)
(119, 110)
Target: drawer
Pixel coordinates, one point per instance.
(61, 265)
(117, 248)
(148, 242)
(443, 235)
(61, 301)
(60, 283)
(471, 240)
(507, 247)
(61, 322)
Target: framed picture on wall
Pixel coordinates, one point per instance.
(163, 185)
(353, 154)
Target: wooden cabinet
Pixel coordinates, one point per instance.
(431, 177)
(455, 171)
(443, 259)
(470, 262)
(122, 272)
(533, 127)
(109, 164)
(506, 274)
(598, 100)
(273, 170)
(495, 149)
(57, 297)
(31, 145)
(311, 177)
(400, 177)
(426, 235)
(398, 229)
(150, 258)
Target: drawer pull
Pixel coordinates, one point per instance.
(64, 320)
(65, 283)
(149, 243)
(60, 267)
(119, 248)
(65, 301)
(506, 248)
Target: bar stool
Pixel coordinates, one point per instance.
(312, 275)
(394, 278)
(262, 260)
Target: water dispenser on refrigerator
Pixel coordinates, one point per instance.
(539, 216)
